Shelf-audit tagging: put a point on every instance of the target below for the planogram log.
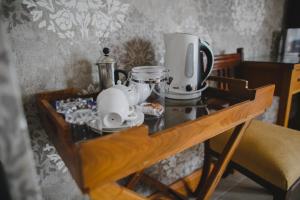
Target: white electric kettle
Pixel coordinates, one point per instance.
(185, 64)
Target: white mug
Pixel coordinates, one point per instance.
(113, 108)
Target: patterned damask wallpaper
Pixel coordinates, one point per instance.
(55, 44)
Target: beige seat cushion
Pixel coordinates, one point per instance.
(272, 152)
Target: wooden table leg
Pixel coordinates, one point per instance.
(113, 191)
(284, 110)
(285, 99)
(217, 172)
(134, 180)
(163, 188)
(206, 168)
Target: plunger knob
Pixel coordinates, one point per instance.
(106, 51)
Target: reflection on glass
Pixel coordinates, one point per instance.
(177, 112)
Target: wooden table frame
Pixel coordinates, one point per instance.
(97, 164)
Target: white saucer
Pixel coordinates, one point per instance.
(127, 124)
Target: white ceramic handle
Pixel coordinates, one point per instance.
(132, 115)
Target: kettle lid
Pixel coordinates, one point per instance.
(106, 58)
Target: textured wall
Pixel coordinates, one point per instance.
(64, 37)
(56, 42)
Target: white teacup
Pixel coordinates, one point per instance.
(113, 108)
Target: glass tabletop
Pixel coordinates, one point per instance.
(176, 112)
(180, 111)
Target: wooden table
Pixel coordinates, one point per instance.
(98, 163)
(284, 72)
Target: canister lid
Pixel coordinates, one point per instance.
(149, 74)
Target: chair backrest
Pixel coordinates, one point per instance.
(226, 65)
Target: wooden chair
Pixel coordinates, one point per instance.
(268, 154)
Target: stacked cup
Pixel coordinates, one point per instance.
(114, 108)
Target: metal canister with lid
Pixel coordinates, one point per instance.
(107, 69)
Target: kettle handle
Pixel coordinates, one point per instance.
(210, 59)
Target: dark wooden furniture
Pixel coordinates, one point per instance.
(97, 163)
(292, 16)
